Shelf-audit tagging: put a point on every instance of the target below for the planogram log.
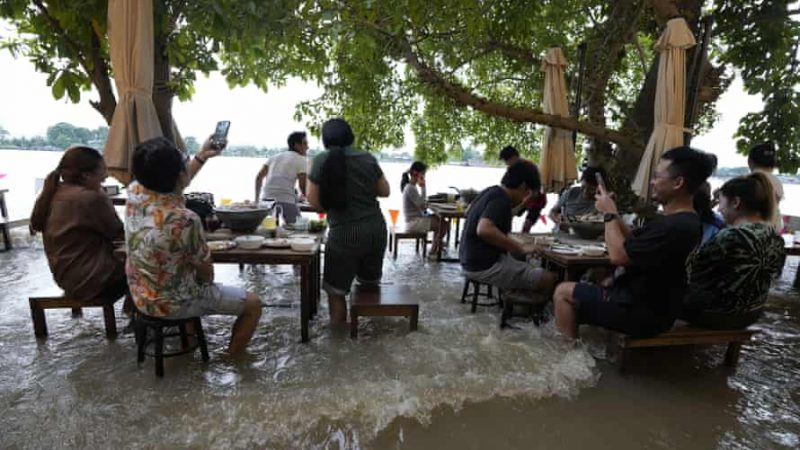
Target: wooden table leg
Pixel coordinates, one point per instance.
(305, 300)
(458, 227)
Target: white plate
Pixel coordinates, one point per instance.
(565, 251)
(216, 246)
(277, 243)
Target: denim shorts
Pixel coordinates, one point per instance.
(216, 299)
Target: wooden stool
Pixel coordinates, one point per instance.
(534, 300)
(476, 292)
(686, 335)
(4, 221)
(373, 300)
(39, 304)
(395, 235)
(143, 323)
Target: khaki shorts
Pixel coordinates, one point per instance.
(509, 273)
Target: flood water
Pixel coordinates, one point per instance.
(459, 382)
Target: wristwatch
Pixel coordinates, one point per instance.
(608, 217)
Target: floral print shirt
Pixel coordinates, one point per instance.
(165, 244)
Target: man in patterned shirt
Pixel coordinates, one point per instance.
(169, 267)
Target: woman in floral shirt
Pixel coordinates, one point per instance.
(730, 275)
(169, 267)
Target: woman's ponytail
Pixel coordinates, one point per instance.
(404, 180)
(41, 209)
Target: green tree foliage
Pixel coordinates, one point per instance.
(57, 138)
(458, 73)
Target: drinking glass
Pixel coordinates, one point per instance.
(393, 213)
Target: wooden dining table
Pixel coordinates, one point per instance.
(569, 266)
(451, 213)
(309, 263)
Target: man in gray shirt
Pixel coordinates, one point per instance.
(578, 200)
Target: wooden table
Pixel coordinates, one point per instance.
(306, 207)
(310, 269)
(450, 213)
(119, 199)
(572, 266)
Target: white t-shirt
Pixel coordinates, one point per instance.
(282, 176)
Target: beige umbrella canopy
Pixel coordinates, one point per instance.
(670, 101)
(130, 37)
(557, 166)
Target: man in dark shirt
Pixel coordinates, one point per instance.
(646, 298)
(485, 245)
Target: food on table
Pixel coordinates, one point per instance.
(249, 242)
(216, 246)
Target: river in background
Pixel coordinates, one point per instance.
(459, 382)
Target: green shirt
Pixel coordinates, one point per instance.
(731, 273)
(363, 173)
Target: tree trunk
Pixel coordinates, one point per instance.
(162, 93)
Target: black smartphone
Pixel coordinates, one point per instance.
(600, 182)
(220, 136)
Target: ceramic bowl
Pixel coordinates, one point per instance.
(250, 242)
(302, 245)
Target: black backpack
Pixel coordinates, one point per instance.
(202, 203)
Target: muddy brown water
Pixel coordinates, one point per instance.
(458, 383)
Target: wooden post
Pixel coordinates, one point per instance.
(39, 321)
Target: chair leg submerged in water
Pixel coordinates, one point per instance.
(143, 323)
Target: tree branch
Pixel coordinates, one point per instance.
(463, 97)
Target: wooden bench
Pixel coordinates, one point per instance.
(397, 234)
(383, 301)
(683, 334)
(39, 304)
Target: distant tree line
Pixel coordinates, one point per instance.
(63, 135)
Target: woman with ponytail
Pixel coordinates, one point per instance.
(345, 183)
(730, 275)
(79, 224)
(412, 184)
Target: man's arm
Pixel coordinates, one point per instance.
(313, 195)
(301, 180)
(489, 232)
(382, 187)
(205, 272)
(615, 231)
(260, 179)
(206, 152)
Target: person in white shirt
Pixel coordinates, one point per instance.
(762, 158)
(415, 208)
(282, 172)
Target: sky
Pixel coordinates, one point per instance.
(259, 118)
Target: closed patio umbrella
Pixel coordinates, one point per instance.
(669, 104)
(557, 166)
(130, 37)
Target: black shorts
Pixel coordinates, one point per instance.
(596, 306)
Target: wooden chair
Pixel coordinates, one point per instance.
(396, 234)
(375, 300)
(475, 292)
(39, 304)
(4, 225)
(683, 334)
(144, 323)
(533, 300)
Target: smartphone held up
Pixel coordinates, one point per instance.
(220, 136)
